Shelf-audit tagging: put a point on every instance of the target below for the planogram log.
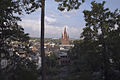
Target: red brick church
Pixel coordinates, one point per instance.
(65, 38)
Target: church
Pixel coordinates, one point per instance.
(64, 47)
(65, 38)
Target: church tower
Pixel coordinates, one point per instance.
(65, 38)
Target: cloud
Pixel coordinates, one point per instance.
(34, 24)
(31, 26)
(53, 31)
(50, 20)
(69, 14)
(74, 32)
(52, 15)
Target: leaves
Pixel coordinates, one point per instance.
(69, 4)
(97, 54)
(10, 31)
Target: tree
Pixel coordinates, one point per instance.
(10, 7)
(69, 5)
(9, 29)
(95, 57)
(42, 40)
(53, 67)
(102, 22)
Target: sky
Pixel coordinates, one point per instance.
(55, 20)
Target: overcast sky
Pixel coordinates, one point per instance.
(55, 20)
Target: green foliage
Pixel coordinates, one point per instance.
(69, 4)
(56, 41)
(25, 70)
(97, 55)
(52, 67)
(11, 31)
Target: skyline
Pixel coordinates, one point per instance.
(55, 20)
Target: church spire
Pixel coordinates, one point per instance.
(65, 39)
(62, 36)
(65, 29)
(65, 33)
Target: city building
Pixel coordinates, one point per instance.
(65, 38)
(64, 47)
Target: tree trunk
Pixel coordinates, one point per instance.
(42, 40)
(105, 62)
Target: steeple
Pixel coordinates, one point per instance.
(61, 36)
(65, 39)
(65, 33)
(68, 36)
(65, 29)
